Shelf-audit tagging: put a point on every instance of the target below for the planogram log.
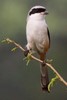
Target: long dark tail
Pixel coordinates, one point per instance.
(44, 76)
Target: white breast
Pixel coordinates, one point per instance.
(37, 36)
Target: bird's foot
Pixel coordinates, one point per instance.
(26, 52)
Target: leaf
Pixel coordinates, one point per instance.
(14, 49)
(52, 82)
(49, 60)
(28, 58)
(3, 41)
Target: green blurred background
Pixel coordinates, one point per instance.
(21, 82)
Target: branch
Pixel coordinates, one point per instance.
(33, 57)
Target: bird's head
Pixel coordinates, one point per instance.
(37, 12)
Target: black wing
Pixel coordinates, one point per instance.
(48, 35)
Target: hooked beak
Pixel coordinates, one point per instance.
(46, 12)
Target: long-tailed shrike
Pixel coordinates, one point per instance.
(38, 39)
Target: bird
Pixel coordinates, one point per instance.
(38, 39)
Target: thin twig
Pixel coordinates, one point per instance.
(33, 57)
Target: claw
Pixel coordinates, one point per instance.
(26, 52)
(43, 63)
